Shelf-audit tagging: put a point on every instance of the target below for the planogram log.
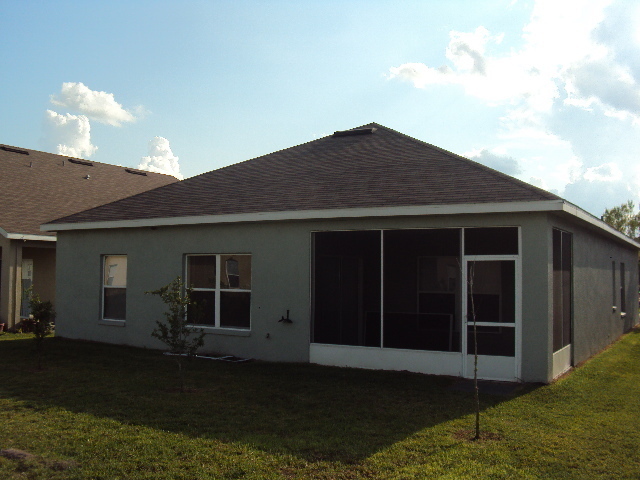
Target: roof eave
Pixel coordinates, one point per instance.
(26, 236)
(417, 210)
(581, 214)
(556, 205)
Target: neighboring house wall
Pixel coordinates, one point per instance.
(281, 260)
(14, 252)
(7, 276)
(44, 269)
(596, 289)
(10, 285)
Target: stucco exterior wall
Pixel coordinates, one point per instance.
(595, 323)
(281, 272)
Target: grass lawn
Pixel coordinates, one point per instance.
(108, 412)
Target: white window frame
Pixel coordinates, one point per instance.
(103, 271)
(217, 290)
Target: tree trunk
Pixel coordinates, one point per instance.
(181, 372)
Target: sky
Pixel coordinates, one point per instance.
(545, 91)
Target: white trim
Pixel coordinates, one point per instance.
(502, 368)
(494, 324)
(418, 361)
(492, 367)
(587, 217)
(419, 210)
(112, 323)
(210, 329)
(561, 361)
(21, 236)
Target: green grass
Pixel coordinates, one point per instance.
(108, 412)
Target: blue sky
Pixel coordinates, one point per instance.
(546, 91)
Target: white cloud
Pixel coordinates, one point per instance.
(557, 39)
(607, 172)
(100, 106)
(161, 159)
(569, 96)
(495, 160)
(68, 134)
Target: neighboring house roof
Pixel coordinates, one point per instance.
(37, 187)
(379, 169)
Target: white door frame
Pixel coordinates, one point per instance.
(503, 371)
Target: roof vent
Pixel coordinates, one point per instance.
(135, 172)
(81, 162)
(14, 150)
(355, 131)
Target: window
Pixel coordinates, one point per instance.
(623, 292)
(114, 287)
(613, 285)
(221, 290)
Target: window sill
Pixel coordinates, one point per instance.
(112, 323)
(236, 332)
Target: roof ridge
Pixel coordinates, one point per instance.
(479, 165)
(69, 157)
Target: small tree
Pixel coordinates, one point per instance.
(471, 312)
(623, 218)
(43, 316)
(476, 390)
(182, 340)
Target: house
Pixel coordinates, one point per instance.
(36, 187)
(366, 248)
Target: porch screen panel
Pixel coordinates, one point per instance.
(561, 286)
(491, 300)
(422, 289)
(346, 288)
(491, 241)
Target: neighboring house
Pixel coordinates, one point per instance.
(36, 187)
(374, 245)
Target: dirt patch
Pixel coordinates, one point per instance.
(25, 459)
(468, 436)
(15, 454)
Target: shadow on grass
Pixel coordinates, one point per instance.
(308, 411)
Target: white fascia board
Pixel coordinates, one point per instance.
(595, 221)
(21, 236)
(467, 208)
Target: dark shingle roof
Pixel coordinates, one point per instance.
(381, 169)
(37, 187)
